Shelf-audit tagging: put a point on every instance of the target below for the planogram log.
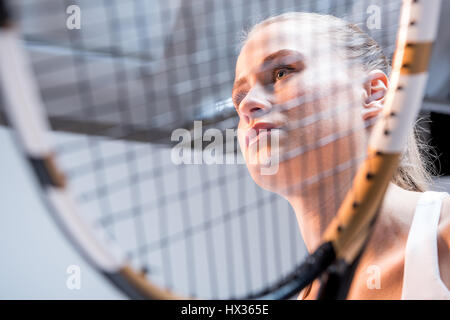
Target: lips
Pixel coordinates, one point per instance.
(259, 128)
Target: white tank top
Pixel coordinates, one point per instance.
(421, 277)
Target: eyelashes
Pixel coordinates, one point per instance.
(281, 72)
(268, 80)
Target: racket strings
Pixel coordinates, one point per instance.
(293, 103)
(134, 75)
(107, 106)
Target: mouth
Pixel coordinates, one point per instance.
(257, 131)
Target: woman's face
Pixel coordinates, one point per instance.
(295, 91)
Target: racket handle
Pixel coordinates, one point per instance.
(313, 266)
(336, 281)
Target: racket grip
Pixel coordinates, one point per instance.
(313, 266)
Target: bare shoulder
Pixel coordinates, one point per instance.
(445, 213)
(444, 220)
(444, 242)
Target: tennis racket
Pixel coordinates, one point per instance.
(96, 91)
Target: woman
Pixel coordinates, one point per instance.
(308, 88)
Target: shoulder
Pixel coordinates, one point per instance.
(444, 220)
(444, 242)
(445, 211)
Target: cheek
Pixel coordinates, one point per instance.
(290, 91)
(321, 112)
(300, 104)
(301, 96)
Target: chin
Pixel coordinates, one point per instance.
(267, 170)
(272, 177)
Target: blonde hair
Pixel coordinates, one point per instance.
(415, 170)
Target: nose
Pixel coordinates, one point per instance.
(255, 104)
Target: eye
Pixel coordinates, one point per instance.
(281, 73)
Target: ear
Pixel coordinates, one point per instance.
(375, 90)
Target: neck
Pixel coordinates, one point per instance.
(314, 217)
(314, 209)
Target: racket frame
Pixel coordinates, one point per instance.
(346, 235)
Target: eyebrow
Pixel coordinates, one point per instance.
(281, 53)
(267, 61)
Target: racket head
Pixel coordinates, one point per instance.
(118, 142)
